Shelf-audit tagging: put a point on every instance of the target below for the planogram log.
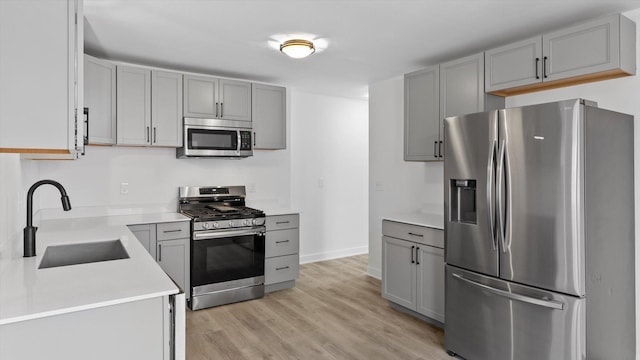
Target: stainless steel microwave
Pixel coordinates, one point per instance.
(215, 138)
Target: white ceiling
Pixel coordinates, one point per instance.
(365, 40)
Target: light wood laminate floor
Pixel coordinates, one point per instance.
(334, 312)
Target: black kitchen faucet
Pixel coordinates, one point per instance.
(30, 230)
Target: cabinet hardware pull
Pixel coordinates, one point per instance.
(172, 231)
(216, 109)
(147, 135)
(282, 268)
(254, 138)
(417, 257)
(440, 149)
(537, 64)
(282, 222)
(155, 135)
(435, 150)
(282, 241)
(414, 234)
(221, 110)
(159, 252)
(544, 67)
(412, 260)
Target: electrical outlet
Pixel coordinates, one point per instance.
(320, 183)
(124, 188)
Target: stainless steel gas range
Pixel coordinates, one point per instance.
(227, 245)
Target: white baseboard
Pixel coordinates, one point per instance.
(374, 272)
(336, 254)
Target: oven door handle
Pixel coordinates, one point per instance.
(215, 234)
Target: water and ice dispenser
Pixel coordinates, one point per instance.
(463, 201)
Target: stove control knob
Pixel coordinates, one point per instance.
(247, 222)
(258, 221)
(230, 223)
(206, 225)
(216, 225)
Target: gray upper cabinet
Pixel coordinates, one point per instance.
(596, 50)
(134, 106)
(213, 98)
(235, 100)
(268, 106)
(100, 99)
(422, 114)
(514, 65)
(200, 96)
(166, 108)
(462, 88)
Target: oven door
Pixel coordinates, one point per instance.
(225, 259)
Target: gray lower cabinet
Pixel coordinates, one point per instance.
(413, 268)
(269, 116)
(100, 99)
(169, 244)
(595, 50)
(282, 261)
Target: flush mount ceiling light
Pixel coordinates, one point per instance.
(297, 48)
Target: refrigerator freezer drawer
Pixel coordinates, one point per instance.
(498, 320)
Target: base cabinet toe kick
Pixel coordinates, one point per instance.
(413, 269)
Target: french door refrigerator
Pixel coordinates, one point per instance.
(539, 233)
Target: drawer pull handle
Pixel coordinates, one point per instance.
(414, 234)
(172, 231)
(282, 268)
(282, 241)
(282, 222)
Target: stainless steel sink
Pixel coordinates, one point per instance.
(82, 253)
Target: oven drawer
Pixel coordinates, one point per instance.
(281, 268)
(173, 230)
(281, 242)
(280, 222)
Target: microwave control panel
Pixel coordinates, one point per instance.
(245, 140)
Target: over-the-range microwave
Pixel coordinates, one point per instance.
(215, 138)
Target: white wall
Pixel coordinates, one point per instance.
(16, 176)
(395, 185)
(329, 174)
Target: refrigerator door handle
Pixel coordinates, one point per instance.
(490, 184)
(517, 297)
(499, 185)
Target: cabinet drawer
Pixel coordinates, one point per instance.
(415, 233)
(281, 242)
(281, 268)
(280, 222)
(173, 230)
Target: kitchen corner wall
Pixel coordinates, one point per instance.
(329, 174)
(395, 185)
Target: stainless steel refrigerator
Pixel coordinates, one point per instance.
(539, 233)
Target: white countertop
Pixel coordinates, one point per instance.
(432, 220)
(27, 292)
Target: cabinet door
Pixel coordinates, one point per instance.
(134, 106)
(430, 264)
(173, 258)
(146, 234)
(200, 96)
(513, 65)
(422, 114)
(235, 100)
(269, 116)
(166, 110)
(38, 72)
(582, 49)
(100, 98)
(399, 272)
(462, 86)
